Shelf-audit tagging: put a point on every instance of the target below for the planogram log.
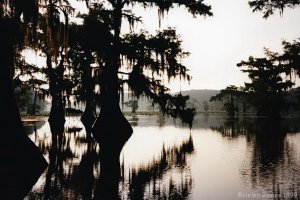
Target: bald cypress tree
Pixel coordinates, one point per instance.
(289, 61)
(267, 90)
(158, 54)
(21, 162)
(137, 61)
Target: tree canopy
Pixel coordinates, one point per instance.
(271, 77)
(268, 86)
(94, 61)
(229, 96)
(137, 61)
(267, 7)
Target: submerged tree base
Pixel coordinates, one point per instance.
(88, 118)
(57, 121)
(111, 130)
(21, 164)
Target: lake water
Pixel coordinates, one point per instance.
(250, 158)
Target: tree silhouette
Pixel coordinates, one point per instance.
(290, 59)
(133, 104)
(53, 43)
(139, 53)
(229, 96)
(272, 78)
(267, 90)
(23, 161)
(83, 83)
(44, 26)
(205, 106)
(139, 49)
(11, 37)
(88, 44)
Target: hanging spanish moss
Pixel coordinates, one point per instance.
(86, 62)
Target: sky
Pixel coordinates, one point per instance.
(219, 42)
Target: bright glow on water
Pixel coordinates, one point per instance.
(217, 159)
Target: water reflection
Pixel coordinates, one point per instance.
(148, 181)
(274, 164)
(134, 120)
(163, 160)
(70, 172)
(231, 128)
(77, 169)
(272, 156)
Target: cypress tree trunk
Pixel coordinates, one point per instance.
(8, 101)
(111, 129)
(89, 115)
(57, 114)
(21, 163)
(33, 108)
(88, 118)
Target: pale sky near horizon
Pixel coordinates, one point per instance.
(219, 42)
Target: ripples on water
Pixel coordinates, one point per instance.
(217, 159)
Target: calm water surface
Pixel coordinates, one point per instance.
(218, 159)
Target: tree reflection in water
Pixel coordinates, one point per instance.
(263, 156)
(272, 156)
(65, 177)
(148, 182)
(231, 128)
(76, 170)
(134, 120)
(273, 166)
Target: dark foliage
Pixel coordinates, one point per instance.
(269, 6)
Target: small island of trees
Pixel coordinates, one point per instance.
(270, 91)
